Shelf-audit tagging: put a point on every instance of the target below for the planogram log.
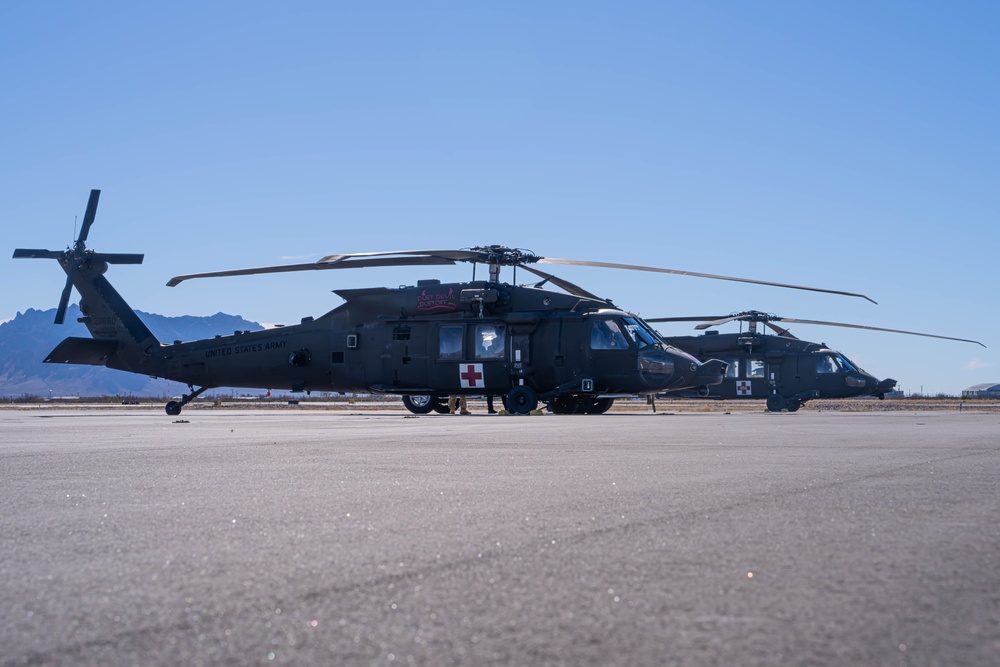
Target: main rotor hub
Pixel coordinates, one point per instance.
(756, 316)
(503, 256)
(497, 255)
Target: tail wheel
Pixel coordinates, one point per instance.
(522, 399)
(173, 408)
(420, 404)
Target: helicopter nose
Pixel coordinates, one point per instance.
(662, 368)
(656, 367)
(710, 373)
(887, 384)
(859, 380)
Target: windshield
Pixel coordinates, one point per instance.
(834, 363)
(846, 363)
(642, 336)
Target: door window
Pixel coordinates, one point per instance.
(490, 341)
(451, 342)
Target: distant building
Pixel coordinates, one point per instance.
(987, 390)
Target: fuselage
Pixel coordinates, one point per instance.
(761, 365)
(439, 339)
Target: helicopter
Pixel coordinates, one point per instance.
(524, 343)
(783, 369)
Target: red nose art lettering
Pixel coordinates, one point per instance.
(429, 300)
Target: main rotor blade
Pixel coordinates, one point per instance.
(685, 319)
(720, 321)
(32, 253)
(566, 285)
(318, 266)
(453, 255)
(784, 333)
(862, 326)
(653, 269)
(88, 217)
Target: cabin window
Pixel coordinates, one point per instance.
(733, 369)
(825, 363)
(642, 336)
(401, 333)
(490, 341)
(755, 367)
(607, 335)
(451, 342)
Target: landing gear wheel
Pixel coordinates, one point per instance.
(522, 399)
(441, 407)
(173, 408)
(599, 406)
(420, 404)
(793, 405)
(776, 403)
(564, 405)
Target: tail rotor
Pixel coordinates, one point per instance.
(77, 257)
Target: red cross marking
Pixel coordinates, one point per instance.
(471, 375)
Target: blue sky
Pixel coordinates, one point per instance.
(848, 145)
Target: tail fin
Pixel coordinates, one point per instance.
(121, 339)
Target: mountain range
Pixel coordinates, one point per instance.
(28, 338)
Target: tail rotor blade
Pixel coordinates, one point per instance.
(118, 258)
(33, 253)
(64, 299)
(88, 217)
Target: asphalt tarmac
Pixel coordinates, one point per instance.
(246, 537)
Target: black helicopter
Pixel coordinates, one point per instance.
(782, 369)
(574, 350)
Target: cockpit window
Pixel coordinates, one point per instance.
(642, 336)
(607, 335)
(826, 363)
